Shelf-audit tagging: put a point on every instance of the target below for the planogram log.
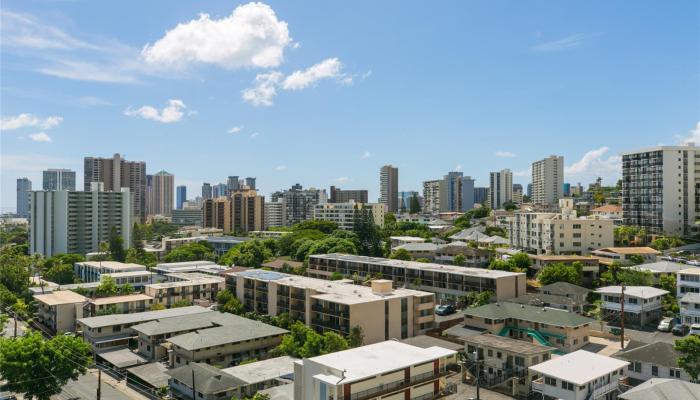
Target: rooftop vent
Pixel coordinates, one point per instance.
(381, 286)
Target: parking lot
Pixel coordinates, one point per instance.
(650, 336)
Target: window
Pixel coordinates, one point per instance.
(654, 370)
(490, 353)
(550, 381)
(567, 385)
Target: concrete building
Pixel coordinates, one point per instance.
(623, 255)
(581, 375)
(446, 281)
(481, 195)
(206, 191)
(127, 304)
(389, 187)
(547, 326)
(659, 189)
(77, 222)
(242, 211)
(337, 195)
(275, 214)
(343, 214)
(505, 361)
(222, 244)
(654, 360)
(517, 193)
(59, 310)
(687, 281)
(690, 308)
(264, 374)
(590, 265)
(116, 173)
(24, 190)
(642, 304)
(250, 182)
(500, 188)
(191, 287)
(92, 271)
(162, 194)
(456, 192)
(559, 233)
(382, 312)
(180, 196)
(187, 216)
(59, 179)
(387, 370)
(548, 180)
(299, 203)
(205, 267)
(405, 198)
(578, 294)
(431, 197)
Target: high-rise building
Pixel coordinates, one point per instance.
(567, 189)
(180, 196)
(481, 195)
(163, 187)
(243, 211)
(206, 191)
(220, 190)
(548, 180)
(250, 182)
(343, 214)
(115, 173)
(529, 191)
(389, 187)
(59, 179)
(77, 222)
(232, 184)
(24, 188)
(517, 193)
(405, 200)
(456, 192)
(149, 195)
(275, 214)
(299, 202)
(660, 189)
(431, 197)
(343, 196)
(500, 189)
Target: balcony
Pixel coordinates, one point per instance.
(538, 385)
(396, 386)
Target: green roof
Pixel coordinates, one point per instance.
(238, 331)
(208, 379)
(524, 312)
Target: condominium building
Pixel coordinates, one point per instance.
(192, 287)
(446, 281)
(127, 304)
(59, 310)
(564, 330)
(659, 189)
(180, 196)
(500, 188)
(389, 187)
(481, 195)
(77, 222)
(559, 233)
(548, 180)
(344, 214)
(581, 375)
(206, 191)
(382, 312)
(162, 194)
(456, 192)
(92, 271)
(116, 173)
(242, 211)
(517, 193)
(387, 370)
(232, 184)
(187, 216)
(690, 308)
(431, 197)
(299, 203)
(643, 304)
(59, 179)
(688, 281)
(275, 214)
(24, 190)
(338, 195)
(405, 199)
(250, 182)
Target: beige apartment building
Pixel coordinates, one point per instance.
(559, 233)
(343, 214)
(193, 287)
(388, 370)
(118, 305)
(382, 312)
(551, 327)
(59, 310)
(448, 282)
(242, 211)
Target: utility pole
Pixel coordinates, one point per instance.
(476, 358)
(622, 318)
(99, 383)
(194, 393)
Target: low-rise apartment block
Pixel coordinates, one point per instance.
(382, 312)
(264, 374)
(642, 303)
(59, 310)
(504, 359)
(581, 375)
(343, 214)
(690, 308)
(623, 255)
(92, 271)
(446, 281)
(193, 287)
(654, 360)
(688, 281)
(128, 304)
(209, 382)
(578, 294)
(387, 370)
(547, 326)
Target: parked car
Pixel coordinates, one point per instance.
(680, 330)
(666, 324)
(694, 262)
(445, 309)
(695, 329)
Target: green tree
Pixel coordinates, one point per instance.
(689, 347)
(336, 276)
(356, 336)
(182, 303)
(504, 265)
(326, 227)
(14, 270)
(560, 272)
(109, 310)
(481, 212)
(367, 233)
(304, 342)
(283, 321)
(107, 287)
(156, 307)
(521, 260)
(636, 259)
(459, 259)
(414, 205)
(333, 244)
(191, 252)
(247, 254)
(510, 206)
(137, 237)
(61, 274)
(141, 256)
(333, 342)
(401, 254)
(668, 282)
(55, 361)
(116, 245)
(662, 243)
(126, 289)
(229, 303)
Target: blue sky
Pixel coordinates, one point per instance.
(324, 93)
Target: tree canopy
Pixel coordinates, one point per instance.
(191, 252)
(304, 342)
(252, 253)
(560, 272)
(689, 347)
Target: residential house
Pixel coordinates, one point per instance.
(264, 374)
(654, 360)
(624, 255)
(127, 304)
(209, 382)
(690, 308)
(661, 389)
(643, 304)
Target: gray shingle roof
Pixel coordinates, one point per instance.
(658, 353)
(523, 312)
(662, 266)
(691, 297)
(183, 323)
(663, 389)
(208, 379)
(239, 331)
(135, 318)
(540, 299)
(565, 289)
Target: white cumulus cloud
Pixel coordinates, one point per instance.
(251, 36)
(264, 91)
(173, 112)
(327, 69)
(235, 129)
(254, 135)
(506, 154)
(29, 120)
(40, 137)
(693, 136)
(280, 168)
(595, 164)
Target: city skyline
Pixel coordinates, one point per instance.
(506, 98)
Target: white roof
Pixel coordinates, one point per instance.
(690, 271)
(579, 367)
(60, 297)
(374, 359)
(261, 371)
(643, 292)
(115, 265)
(407, 238)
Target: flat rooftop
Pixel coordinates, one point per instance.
(194, 280)
(135, 318)
(628, 250)
(579, 367)
(426, 341)
(121, 299)
(643, 292)
(508, 344)
(690, 271)
(345, 293)
(60, 297)
(452, 269)
(261, 371)
(375, 359)
(115, 265)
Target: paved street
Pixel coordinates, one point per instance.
(465, 391)
(650, 336)
(10, 327)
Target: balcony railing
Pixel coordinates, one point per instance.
(396, 386)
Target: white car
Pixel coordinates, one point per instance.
(693, 262)
(695, 329)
